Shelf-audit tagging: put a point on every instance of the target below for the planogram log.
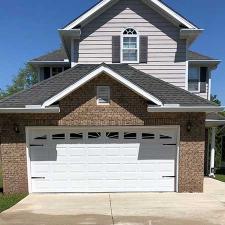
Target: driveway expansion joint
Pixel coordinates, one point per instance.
(110, 203)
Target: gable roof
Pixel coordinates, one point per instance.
(197, 56)
(157, 4)
(53, 56)
(42, 92)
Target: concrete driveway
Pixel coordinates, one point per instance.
(121, 209)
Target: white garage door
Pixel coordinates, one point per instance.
(109, 160)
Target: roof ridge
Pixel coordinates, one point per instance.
(173, 86)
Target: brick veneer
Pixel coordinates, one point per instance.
(126, 109)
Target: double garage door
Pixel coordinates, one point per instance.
(102, 160)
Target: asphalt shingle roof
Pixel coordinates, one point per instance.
(44, 90)
(197, 56)
(60, 55)
(56, 55)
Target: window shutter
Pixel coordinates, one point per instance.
(115, 49)
(203, 79)
(143, 49)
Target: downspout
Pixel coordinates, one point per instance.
(213, 151)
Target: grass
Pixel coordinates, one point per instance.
(220, 175)
(7, 201)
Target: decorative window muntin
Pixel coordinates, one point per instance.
(94, 135)
(60, 136)
(43, 137)
(76, 136)
(112, 135)
(130, 46)
(147, 136)
(130, 136)
(165, 137)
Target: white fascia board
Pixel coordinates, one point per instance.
(208, 61)
(65, 62)
(87, 14)
(157, 3)
(94, 74)
(214, 123)
(206, 109)
(30, 110)
(175, 15)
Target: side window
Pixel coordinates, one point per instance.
(47, 72)
(194, 79)
(130, 46)
(56, 70)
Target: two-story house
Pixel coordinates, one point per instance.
(121, 107)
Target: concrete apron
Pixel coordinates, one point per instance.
(121, 209)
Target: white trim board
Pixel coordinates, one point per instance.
(30, 110)
(94, 74)
(185, 109)
(155, 3)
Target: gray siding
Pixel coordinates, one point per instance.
(166, 52)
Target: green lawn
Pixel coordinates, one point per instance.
(220, 177)
(7, 201)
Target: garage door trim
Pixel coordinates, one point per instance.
(122, 128)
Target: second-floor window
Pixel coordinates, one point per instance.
(130, 46)
(194, 79)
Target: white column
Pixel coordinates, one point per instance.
(212, 155)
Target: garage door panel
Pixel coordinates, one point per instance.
(145, 163)
(113, 167)
(77, 167)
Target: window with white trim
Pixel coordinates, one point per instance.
(103, 95)
(130, 46)
(194, 79)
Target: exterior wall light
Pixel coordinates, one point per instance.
(189, 126)
(16, 128)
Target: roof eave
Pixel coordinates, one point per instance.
(190, 34)
(214, 123)
(30, 110)
(49, 62)
(67, 36)
(206, 109)
(158, 5)
(213, 63)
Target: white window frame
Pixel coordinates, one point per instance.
(199, 83)
(100, 103)
(121, 45)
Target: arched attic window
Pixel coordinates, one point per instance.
(129, 46)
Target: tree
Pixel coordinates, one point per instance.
(214, 99)
(26, 78)
(218, 156)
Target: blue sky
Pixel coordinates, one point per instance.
(29, 29)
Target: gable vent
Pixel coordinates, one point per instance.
(103, 95)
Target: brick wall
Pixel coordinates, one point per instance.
(126, 109)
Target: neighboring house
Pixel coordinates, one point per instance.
(129, 115)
